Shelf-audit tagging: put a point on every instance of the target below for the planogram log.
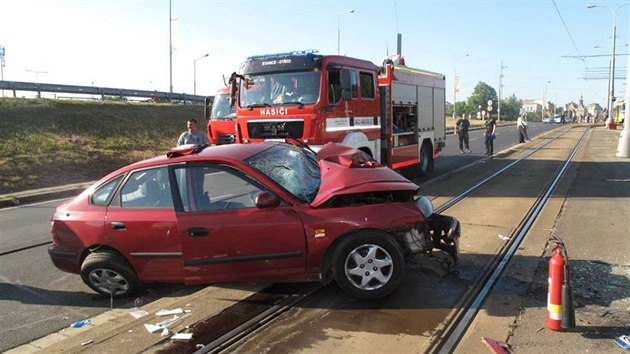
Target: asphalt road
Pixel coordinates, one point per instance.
(37, 299)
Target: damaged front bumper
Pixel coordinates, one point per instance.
(440, 232)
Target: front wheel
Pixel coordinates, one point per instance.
(368, 265)
(108, 273)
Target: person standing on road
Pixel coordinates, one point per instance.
(192, 135)
(521, 124)
(489, 134)
(461, 129)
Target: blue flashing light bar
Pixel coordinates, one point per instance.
(306, 53)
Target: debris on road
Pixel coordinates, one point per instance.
(182, 336)
(170, 312)
(624, 342)
(137, 313)
(79, 324)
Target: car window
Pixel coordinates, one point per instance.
(215, 187)
(103, 193)
(148, 188)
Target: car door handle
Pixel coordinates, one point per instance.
(198, 232)
(117, 225)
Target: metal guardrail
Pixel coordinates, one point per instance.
(93, 90)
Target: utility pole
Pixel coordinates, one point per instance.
(500, 89)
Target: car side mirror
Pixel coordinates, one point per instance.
(266, 200)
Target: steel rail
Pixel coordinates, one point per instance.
(488, 179)
(265, 317)
(258, 322)
(462, 320)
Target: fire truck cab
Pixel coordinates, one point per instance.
(221, 118)
(394, 113)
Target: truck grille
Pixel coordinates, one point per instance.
(280, 129)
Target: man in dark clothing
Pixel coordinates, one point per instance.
(461, 129)
(490, 126)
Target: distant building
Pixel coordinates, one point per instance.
(595, 110)
(535, 106)
(530, 106)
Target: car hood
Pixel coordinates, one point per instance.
(346, 170)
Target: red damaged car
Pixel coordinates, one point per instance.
(249, 212)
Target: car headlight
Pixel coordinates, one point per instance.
(425, 206)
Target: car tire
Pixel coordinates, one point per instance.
(425, 160)
(368, 265)
(106, 270)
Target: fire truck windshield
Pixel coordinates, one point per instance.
(221, 107)
(276, 89)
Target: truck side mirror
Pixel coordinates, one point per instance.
(208, 107)
(233, 88)
(346, 85)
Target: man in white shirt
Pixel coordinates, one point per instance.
(192, 135)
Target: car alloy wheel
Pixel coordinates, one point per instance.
(109, 273)
(368, 264)
(108, 281)
(369, 267)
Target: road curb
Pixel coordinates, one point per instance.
(42, 194)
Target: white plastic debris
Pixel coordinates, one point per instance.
(161, 325)
(165, 332)
(86, 343)
(169, 312)
(137, 313)
(503, 237)
(152, 328)
(182, 336)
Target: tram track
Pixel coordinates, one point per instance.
(448, 335)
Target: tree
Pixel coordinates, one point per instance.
(480, 97)
(511, 108)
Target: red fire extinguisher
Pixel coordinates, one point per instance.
(560, 309)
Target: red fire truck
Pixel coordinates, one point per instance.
(221, 118)
(394, 113)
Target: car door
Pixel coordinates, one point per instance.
(225, 237)
(141, 223)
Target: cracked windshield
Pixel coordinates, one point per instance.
(277, 89)
(292, 167)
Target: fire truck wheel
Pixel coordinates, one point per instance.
(368, 265)
(425, 159)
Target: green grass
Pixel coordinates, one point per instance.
(54, 142)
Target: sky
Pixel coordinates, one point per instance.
(125, 43)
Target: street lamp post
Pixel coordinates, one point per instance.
(195, 72)
(339, 30)
(544, 102)
(611, 73)
(170, 49)
(456, 83)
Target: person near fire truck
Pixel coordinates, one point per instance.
(461, 129)
(489, 134)
(192, 135)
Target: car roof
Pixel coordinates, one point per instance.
(234, 152)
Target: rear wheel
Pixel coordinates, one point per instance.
(108, 273)
(368, 265)
(425, 159)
